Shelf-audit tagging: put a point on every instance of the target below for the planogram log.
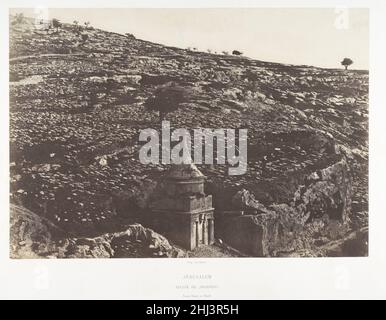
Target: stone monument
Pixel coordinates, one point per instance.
(183, 213)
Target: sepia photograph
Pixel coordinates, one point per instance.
(188, 132)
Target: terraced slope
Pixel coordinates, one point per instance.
(76, 109)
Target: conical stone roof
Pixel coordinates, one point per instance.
(184, 172)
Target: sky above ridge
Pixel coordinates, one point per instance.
(313, 36)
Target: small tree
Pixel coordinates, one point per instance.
(130, 36)
(56, 24)
(346, 62)
(237, 53)
(167, 99)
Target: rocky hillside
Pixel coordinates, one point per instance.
(77, 106)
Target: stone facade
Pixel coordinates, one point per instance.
(184, 214)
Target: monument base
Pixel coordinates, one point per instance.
(186, 229)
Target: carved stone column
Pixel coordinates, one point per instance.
(211, 231)
(197, 234)
(205, 231)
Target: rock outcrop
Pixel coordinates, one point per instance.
(36, 237)
(31, 236)
(317, 214)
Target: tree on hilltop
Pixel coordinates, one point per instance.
(346, 62)
(56, 24)
(237, 53)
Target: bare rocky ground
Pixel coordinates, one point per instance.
(76, 109)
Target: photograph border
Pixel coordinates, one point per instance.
(209, 278)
